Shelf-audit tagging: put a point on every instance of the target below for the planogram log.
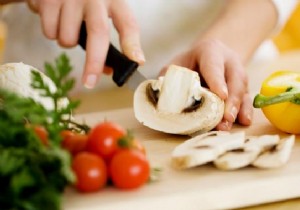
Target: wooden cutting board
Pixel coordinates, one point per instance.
(203, 187)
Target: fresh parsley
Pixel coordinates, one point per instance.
(33, 176)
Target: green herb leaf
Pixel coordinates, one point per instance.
(33, 176)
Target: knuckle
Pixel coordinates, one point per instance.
(50, 35)
(209, 47)
(243, 77)
(235, 56)
(212, 43)
(131, 21)
(66, 41)
(51, 2)
(49, 31)
(235, 100)
(132, 24)
(204, 45)
(95, 28)
(245, 80)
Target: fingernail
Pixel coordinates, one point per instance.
(249, 118)
(233, 113)
(138, 56)
(90, 81)
(225, 125)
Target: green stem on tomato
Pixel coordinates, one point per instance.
(291, 95)
(81, 127)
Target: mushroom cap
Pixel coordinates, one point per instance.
(201, 120)
(16, 77)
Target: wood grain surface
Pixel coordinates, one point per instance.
(203, 187)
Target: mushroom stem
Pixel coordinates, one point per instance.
(177, 104)
(178, 90)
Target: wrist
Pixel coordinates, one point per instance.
(237, 27)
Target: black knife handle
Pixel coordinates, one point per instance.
(122, 66)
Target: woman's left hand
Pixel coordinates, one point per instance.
(222, 71)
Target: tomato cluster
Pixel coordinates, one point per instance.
(106, 154)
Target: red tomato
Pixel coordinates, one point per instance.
(74, 142)
(66, 133)
(103, 139)
(42, 133)
(90, 171)
(129, 169)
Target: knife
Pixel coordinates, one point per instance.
(124, 69)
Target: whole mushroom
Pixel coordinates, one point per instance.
(16, 77)
(177, 104)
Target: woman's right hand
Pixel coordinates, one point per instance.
(61, 21)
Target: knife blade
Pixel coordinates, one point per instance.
(124, 69)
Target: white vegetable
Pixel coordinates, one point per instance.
(177, 104)
(229, 151)
(245, 155)
(277, 156)
(16, 77)
(205, 148)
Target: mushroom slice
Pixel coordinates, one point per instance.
(205, 148)
(177, 104)
(245, 155)
(16, 77)
(276, 156)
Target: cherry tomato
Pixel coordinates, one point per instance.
(103, 139)
(73, 142)
(129, 169)
(90, 171)
(42, 133)
(66, 133)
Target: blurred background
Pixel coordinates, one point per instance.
(166, 29)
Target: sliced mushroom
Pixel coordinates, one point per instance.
(205, 148)
(16, 77)
(245, 155)
(276, 156)
(177, 104)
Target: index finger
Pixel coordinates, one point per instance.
(237, 86)
(128, 30)
(97, 42)
(212, 69)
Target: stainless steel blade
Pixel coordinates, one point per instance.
(135, 79)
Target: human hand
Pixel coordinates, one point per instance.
(61, 21)
(223, 73)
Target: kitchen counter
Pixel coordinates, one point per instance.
(277, 188)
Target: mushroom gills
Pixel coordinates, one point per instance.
(152, 94)
(177, 104)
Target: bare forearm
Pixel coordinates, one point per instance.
(243, 25)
